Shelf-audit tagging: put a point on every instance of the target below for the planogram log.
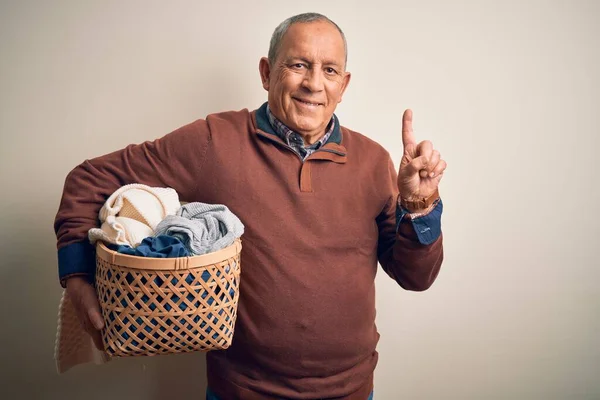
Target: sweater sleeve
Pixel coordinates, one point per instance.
(410, 260)
(174, 161)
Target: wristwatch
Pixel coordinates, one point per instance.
(419, 204)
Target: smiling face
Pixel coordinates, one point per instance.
(308, 78)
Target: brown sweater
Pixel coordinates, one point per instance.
(314, 232)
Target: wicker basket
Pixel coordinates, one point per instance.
(167, 305)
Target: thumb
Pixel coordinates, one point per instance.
(416, 165)
(95, 317)
(91, 306)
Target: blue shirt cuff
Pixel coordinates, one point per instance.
(76, 258)
(428, 227)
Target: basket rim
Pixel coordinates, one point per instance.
(167, 264)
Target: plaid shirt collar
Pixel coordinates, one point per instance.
(295, 140)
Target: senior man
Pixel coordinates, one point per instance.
(321, 206)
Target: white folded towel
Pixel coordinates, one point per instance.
(132, 212)
(128, 216)
(73, 345)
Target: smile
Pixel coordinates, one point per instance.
(307, 103)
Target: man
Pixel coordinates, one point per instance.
(320, 204)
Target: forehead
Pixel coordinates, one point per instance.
(318, 41)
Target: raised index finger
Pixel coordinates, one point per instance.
(408, 136)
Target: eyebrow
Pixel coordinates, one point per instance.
(307, 61)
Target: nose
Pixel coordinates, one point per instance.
(313, 80)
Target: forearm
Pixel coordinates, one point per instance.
(412, 264)
(172, 161)
(413, 253)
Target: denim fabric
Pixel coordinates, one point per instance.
(211, 396)
(162, 246)
(427, 227)
(76, 258)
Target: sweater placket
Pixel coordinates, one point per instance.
(329, 152)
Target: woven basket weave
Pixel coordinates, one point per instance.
(167, 305)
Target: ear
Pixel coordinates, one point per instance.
(265, 72)
(345, 83)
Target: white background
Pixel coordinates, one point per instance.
(507, 91)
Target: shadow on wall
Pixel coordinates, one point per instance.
(30, 293)
(181, 375)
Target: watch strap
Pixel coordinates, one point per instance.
(420, 204)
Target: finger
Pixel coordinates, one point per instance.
(425, 148)
(92, 308)
(408, 136)
(434, 160)
(410, 151)
(83, 317)
(430, 171)
(95, 317)
(439, 169)
(416, 165)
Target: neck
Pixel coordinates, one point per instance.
(311, 139)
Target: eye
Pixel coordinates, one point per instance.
(330, 71)
(298, 66)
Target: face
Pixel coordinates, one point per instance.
(308, 78)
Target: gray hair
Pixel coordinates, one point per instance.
(282, 29)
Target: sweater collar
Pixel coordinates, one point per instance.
(263, 124)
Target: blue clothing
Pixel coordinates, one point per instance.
(211, 396)
(202, 228)
(428, 227)
(294, 140)
(79, 257)
(162, 246)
